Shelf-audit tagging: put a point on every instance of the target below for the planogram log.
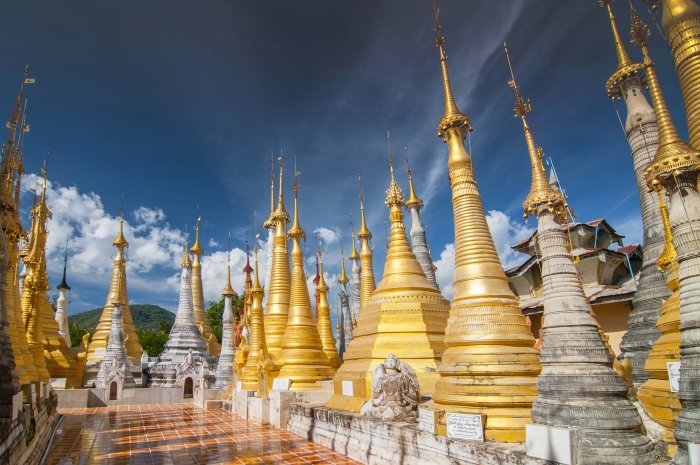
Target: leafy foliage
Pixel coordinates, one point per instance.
(215, 314)
(153, 341)
(76, 334)
(145, 317)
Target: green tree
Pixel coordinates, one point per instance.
(76, 334)
(215, 314)
(154, 341)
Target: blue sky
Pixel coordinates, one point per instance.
(179, 104)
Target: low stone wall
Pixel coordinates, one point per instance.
(15, 450)
(377, 443)
(94, 397)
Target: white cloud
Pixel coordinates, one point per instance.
(328, 236)
(446, 270)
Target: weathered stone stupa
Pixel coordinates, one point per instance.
(185, 345)
(302, 358)
(114, 366)
(224, 367)
(577, 376)
(405, 316)
(345, 319)
(489, 365)
(643, 137)
(419, 243)
(675, 170)
(62, 304)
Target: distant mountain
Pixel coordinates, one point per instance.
(146, 317)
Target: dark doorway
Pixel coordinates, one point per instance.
(189, 388)
(113, 390)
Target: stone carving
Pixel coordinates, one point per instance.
(114, 365)
(395, 392)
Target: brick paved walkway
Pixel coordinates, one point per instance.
(176, 434)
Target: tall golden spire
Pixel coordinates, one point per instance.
(302, 357)
(117, 290)
(489, 366)
(200, 312)
(541, 192)
(269, 222)
(413, 199)
(674, 155)
(343, 279)
(353, 253)
(626, 68)
(367, 281)
(669, 255)
(228, 290)
(405, 315)
(323, 316)
(277, 309)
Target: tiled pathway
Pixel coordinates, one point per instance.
(176, 434)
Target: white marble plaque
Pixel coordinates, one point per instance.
(348, 389)
(465, 426)
(281, 384)
(674, 375)
(694, 453)
(426, 420)
(549, 443)
(239, 386)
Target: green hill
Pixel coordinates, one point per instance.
(146, 317)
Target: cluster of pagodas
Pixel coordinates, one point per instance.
(474, 355)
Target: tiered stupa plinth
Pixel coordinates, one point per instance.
(577, 375)
(489, 365)
(405, 316)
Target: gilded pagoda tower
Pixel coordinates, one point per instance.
(60, 363)
(117, 292)
(200, 311)
(680, 21)
(269, 225)
(367, 281)
(655, 394)
(11, 170)
(277, 308)
(643, 137)
(675, 170)
(302, 358)
(323, 317)
(405, 316)
(419, 243)
(489, 365)
(577, 373)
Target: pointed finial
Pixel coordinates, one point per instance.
(296, 230)
(413, 199)
(186, 261)
(343, 279)
(391, 155)
(626, 68)
(63, 284)
(669, 255)
(674, 155)
(280, 213)
(256, 288)
(268, 222)
(197, 247)
(321, 285)
(453, 117)
(364, 232)
(353, 253)
(120, 242)
(541, 193)
(228, 290)
(394, 196)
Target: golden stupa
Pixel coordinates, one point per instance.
(489, 365)
(60, 363)
(680, 21)
(302, 358)
(277, 308)
(323, 316)
(258, 361)
(367, 281)
(200, 312)
(11, 169)
(405, 316)
(117, 292)
(655, 394)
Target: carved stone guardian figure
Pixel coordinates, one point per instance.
(395, 392)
